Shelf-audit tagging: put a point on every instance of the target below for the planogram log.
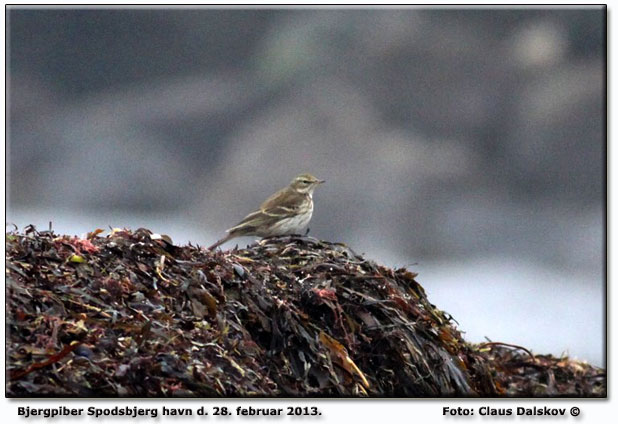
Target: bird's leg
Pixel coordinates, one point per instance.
(307, 232)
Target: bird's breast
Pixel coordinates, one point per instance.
(291, 225)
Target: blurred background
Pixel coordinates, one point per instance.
(467, 145)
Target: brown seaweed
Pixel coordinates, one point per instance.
(131, 314)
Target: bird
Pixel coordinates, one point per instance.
(287, 211)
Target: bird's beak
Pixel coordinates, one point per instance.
(321, 181)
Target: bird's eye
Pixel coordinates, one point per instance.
(306, 182)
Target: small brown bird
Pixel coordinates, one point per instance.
(287, 211)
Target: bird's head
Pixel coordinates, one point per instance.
(305, 183)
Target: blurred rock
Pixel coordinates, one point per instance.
(455, 130)
(556, 146)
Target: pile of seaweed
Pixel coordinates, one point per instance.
(130, 314)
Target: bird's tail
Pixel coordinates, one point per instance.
(220, 242)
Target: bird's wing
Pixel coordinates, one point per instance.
(252, 220)
(284, 203)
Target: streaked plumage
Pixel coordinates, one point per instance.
(287, 211)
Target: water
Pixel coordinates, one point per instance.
(543, 309)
